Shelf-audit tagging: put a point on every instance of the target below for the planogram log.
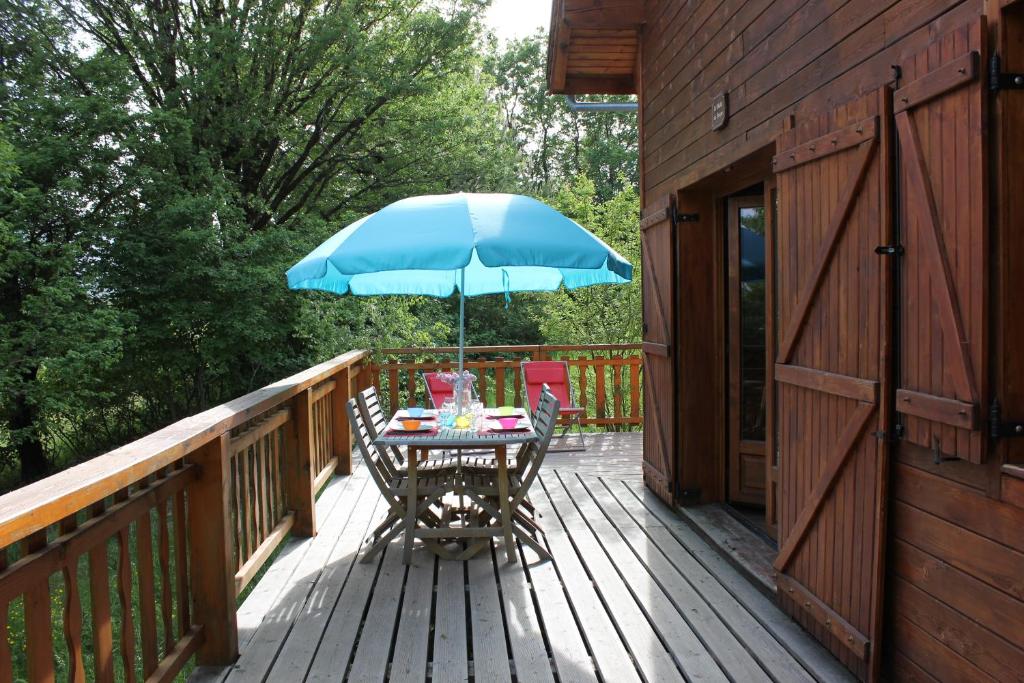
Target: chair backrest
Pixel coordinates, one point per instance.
(381, 469)
(545, 422)
(376, 420)
(438, 390)
(554, 374)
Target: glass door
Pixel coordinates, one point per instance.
(746, 335)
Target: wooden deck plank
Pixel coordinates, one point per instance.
(343, 626)
(299, 649)
(374, 646)
(798, 642)
(635, 552)
(450, 663)
(644, 643)
(258, 657)
(409, 662)
(573, 662)
(490, 653)
(278, 577)
(772, 656)
(691, 654)
(633, 594)
(610, 653)
(523, 626)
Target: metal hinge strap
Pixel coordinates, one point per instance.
(997, 80)
(1002, 430)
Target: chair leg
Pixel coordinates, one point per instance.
(579, 430)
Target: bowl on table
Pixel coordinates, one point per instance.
(508, 422)
(411, 425)
(415, 412)
(506, 411)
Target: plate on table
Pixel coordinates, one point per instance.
(520, 426)
(399, 427)
(497, 416)
(427, 415)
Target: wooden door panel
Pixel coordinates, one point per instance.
(657, 253)
(940, 122)
(831, 303)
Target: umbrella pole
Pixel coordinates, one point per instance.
(462, 318)
(462, 338)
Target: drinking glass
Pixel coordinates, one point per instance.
(447, 414)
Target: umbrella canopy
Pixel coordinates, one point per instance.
(425, 245)
(476, 243)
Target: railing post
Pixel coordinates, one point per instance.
(339, 427)
(298, 468)
(210, 543)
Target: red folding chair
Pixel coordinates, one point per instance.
(555, 374)
(438, 390)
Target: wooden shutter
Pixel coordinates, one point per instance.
(940, 122)
(832, 294)
(658, 262)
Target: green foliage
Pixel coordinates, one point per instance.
(554, 143)
(161, 166)
(604, 314)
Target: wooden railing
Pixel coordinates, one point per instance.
(124, 567)
(606, 377)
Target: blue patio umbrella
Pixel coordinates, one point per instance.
(476, 243)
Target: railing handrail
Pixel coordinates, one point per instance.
(48, 501)
(512, 348)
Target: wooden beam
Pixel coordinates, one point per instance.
(828, 382)
(823, 146)
(948, 411)
(824, 615)
(935, 83)
(210, 543)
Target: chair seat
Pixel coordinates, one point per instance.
(426, 484)
(447, 464)
(487, 483)
(483, 464)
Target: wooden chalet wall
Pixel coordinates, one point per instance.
(954, 555)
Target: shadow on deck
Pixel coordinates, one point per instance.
(633, 594)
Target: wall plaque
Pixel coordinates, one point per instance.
(720, 111)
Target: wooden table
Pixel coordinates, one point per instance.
(419, 446)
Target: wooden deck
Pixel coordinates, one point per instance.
(633, 595)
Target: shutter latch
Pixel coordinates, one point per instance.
(997, 80)
(889, 250)
(687, 218)
(998, 429)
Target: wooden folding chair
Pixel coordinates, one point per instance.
(554, 374)
(377, 422)
(481, 486)
(394, 484)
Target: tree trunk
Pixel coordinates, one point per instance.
(31, 457)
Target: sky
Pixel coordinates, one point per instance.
(518, 18)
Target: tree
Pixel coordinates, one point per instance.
(59, 178)
(164, 173)
(601, 314)
(556, 144)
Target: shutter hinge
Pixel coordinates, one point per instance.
(998, 429)
(997, 80)
(687, 218)
(889, 250)
(896, 435)
(687, 496)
